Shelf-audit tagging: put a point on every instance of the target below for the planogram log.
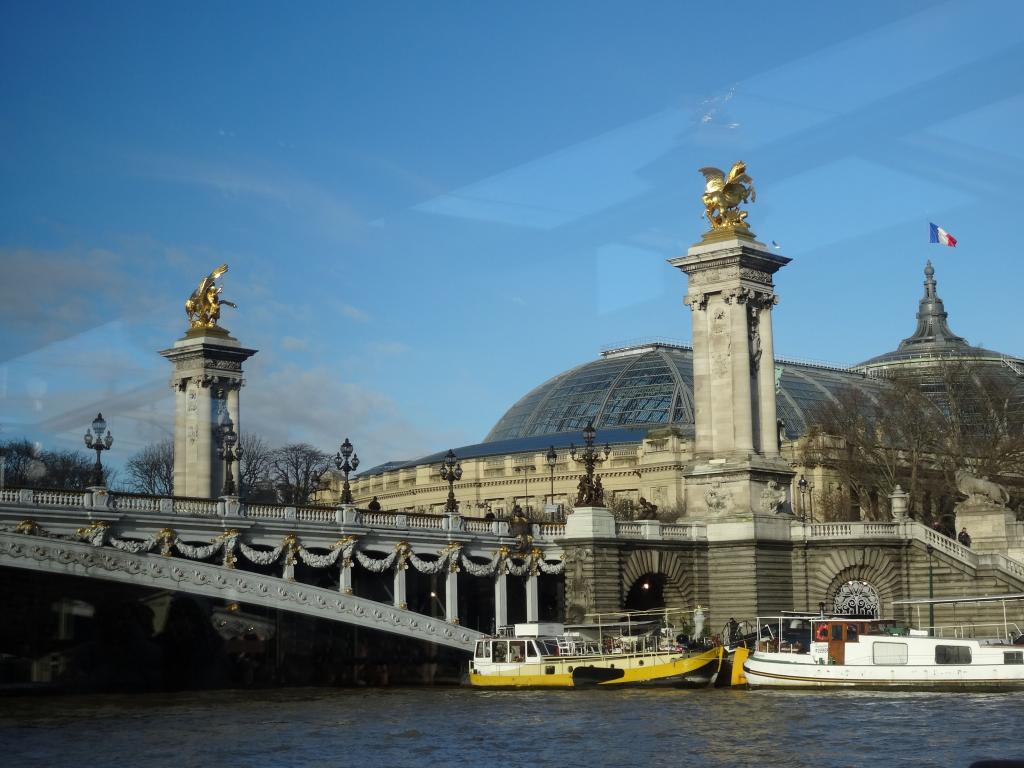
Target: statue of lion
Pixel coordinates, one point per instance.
(972, 485)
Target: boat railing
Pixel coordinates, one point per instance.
(971, 631)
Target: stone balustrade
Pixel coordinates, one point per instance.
(99, 502)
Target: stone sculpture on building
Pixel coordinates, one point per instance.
(981, 488)
(772, 498)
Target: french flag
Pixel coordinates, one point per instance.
(941, 236)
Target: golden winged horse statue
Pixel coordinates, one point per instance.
(723, 195)
(203, 306)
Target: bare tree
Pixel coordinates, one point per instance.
(981, 422)
(254, 468)
(25, 465)
(918, 433)
(873, 444)
(151, 470)
(296, 470)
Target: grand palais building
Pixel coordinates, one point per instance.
(640, 399)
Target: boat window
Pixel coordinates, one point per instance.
(889, 653)
(548, 647)
(500, 650)
(482, 650)
(531, 650)
(516, 651)
(952, 654)
(851, 633)
(837, 631)
(1013, 657)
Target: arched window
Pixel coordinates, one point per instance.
(856, 598)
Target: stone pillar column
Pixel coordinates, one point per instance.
(451, 597)
(730, 274)
(500, 600)
(532, 598)
(742, 409)
(399, 594)
(730, 291)
(207, 378)
(765, 357)
(345, 579)
(703, 438)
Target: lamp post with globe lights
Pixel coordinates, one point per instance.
(552, 459)
(230, 450)
(97, 441)
(346, 460)
(591, 493)
(451, 471)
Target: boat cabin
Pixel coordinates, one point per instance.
(824, 638)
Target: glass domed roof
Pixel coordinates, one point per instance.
(652, 384)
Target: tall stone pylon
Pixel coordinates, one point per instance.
(737, 470)
(737, 482)
(206, 380)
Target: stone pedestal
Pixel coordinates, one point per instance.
(590, 523)
(206, 380)
(738, 489)
(992, 527)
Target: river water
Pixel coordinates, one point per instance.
(461, 726)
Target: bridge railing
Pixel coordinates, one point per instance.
(98, 501)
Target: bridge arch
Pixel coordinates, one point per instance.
(199, 578)
(670, 571)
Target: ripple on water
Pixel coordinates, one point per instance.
(404, 727)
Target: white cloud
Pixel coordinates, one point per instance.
(353, 313)
(316, 406)
(291, 342)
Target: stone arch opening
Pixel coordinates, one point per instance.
(857, 597)
(647, 593)
(669, 584)
(867, 568)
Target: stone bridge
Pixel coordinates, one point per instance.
(258, 553)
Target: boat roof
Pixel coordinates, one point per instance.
(613, 625)
(948, 600)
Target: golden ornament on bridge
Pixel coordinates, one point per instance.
(723, 195)
(203, 306)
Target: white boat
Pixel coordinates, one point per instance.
(848, 652)
(628, 649)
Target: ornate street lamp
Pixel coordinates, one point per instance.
(346, 460)
(101, 442)
(806, 488)
(451, 471)
(552, 458)
(230, 450)
(591, 492)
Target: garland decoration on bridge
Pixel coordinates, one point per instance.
(442, 564)
(376, 566)
(342, 548)
(450, 559)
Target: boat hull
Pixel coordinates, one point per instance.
(762, 671)
(698, 670)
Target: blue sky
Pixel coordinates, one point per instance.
(430, 208)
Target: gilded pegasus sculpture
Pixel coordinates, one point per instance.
(203, 306)
(723, 195)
